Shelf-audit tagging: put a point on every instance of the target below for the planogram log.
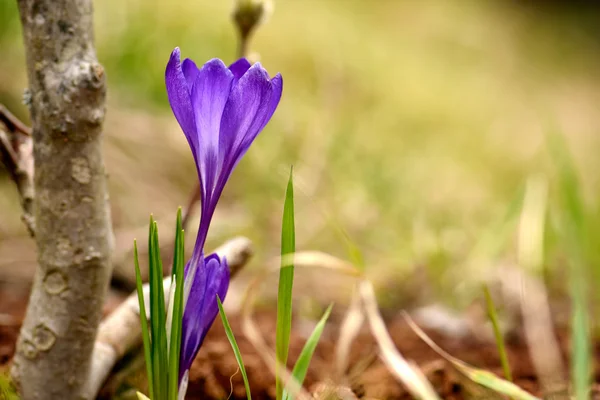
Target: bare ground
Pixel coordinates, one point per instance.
(215, 374)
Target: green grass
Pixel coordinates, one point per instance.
(177, 308)
(303, 361)
(235, 348)
(161, 333)
(493, 317)
(573, 230)
(285, 287)
(158, 320)
(144, 322)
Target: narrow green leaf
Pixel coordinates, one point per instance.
(574, 235)
(157, 315)
(494, 239)
(301, 366)
(154, 323)
(175, 341)
(580, 341)
(354, 253)
(486, 384)
(234, 346)
(286, 282)
(178, 230)
(143, 320)
(491, 381)
(493, 316)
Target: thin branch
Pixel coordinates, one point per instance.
(13, 123)
(16, 153)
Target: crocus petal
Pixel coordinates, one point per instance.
(190, 72)
(209, 95)
(212, 279)
(183, 385)
(239, 68)
(264, 115)
(195, 262)
(179, 98)
(251, 104)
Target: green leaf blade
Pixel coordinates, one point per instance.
(235, 347)
(176, 322)
(301, 366)
(493, 316)
(574, 234)
(286, 282)
(157, 315)
(143, 320)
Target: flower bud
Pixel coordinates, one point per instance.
(248, 14)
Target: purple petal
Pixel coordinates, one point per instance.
(212, 279)
(239, 68)
(209, 96)
(179, 98)
(251, 104)
(190, 72)
(264, 115)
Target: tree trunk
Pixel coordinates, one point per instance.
(73, 232)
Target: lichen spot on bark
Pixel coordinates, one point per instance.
(39, 19)
(63, 245)
(80, 170)
(28, 349)
(43, 337)
(97, 74)
(55, 282)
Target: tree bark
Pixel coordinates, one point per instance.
(73, 232)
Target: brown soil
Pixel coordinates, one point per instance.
(215, 374)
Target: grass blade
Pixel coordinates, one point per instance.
(175, 340)
(177, 257)
(580, 342)
(234, 346)
(301, 366)
(493, 316)
(157, 316)
(483, 379)
(143, 320)
(537, 319)
(286, 282)
(574, 234)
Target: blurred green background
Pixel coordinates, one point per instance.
(412, 126)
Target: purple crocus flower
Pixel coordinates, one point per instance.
(221, 110)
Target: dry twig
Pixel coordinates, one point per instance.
(405, 371)
(16, 153)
